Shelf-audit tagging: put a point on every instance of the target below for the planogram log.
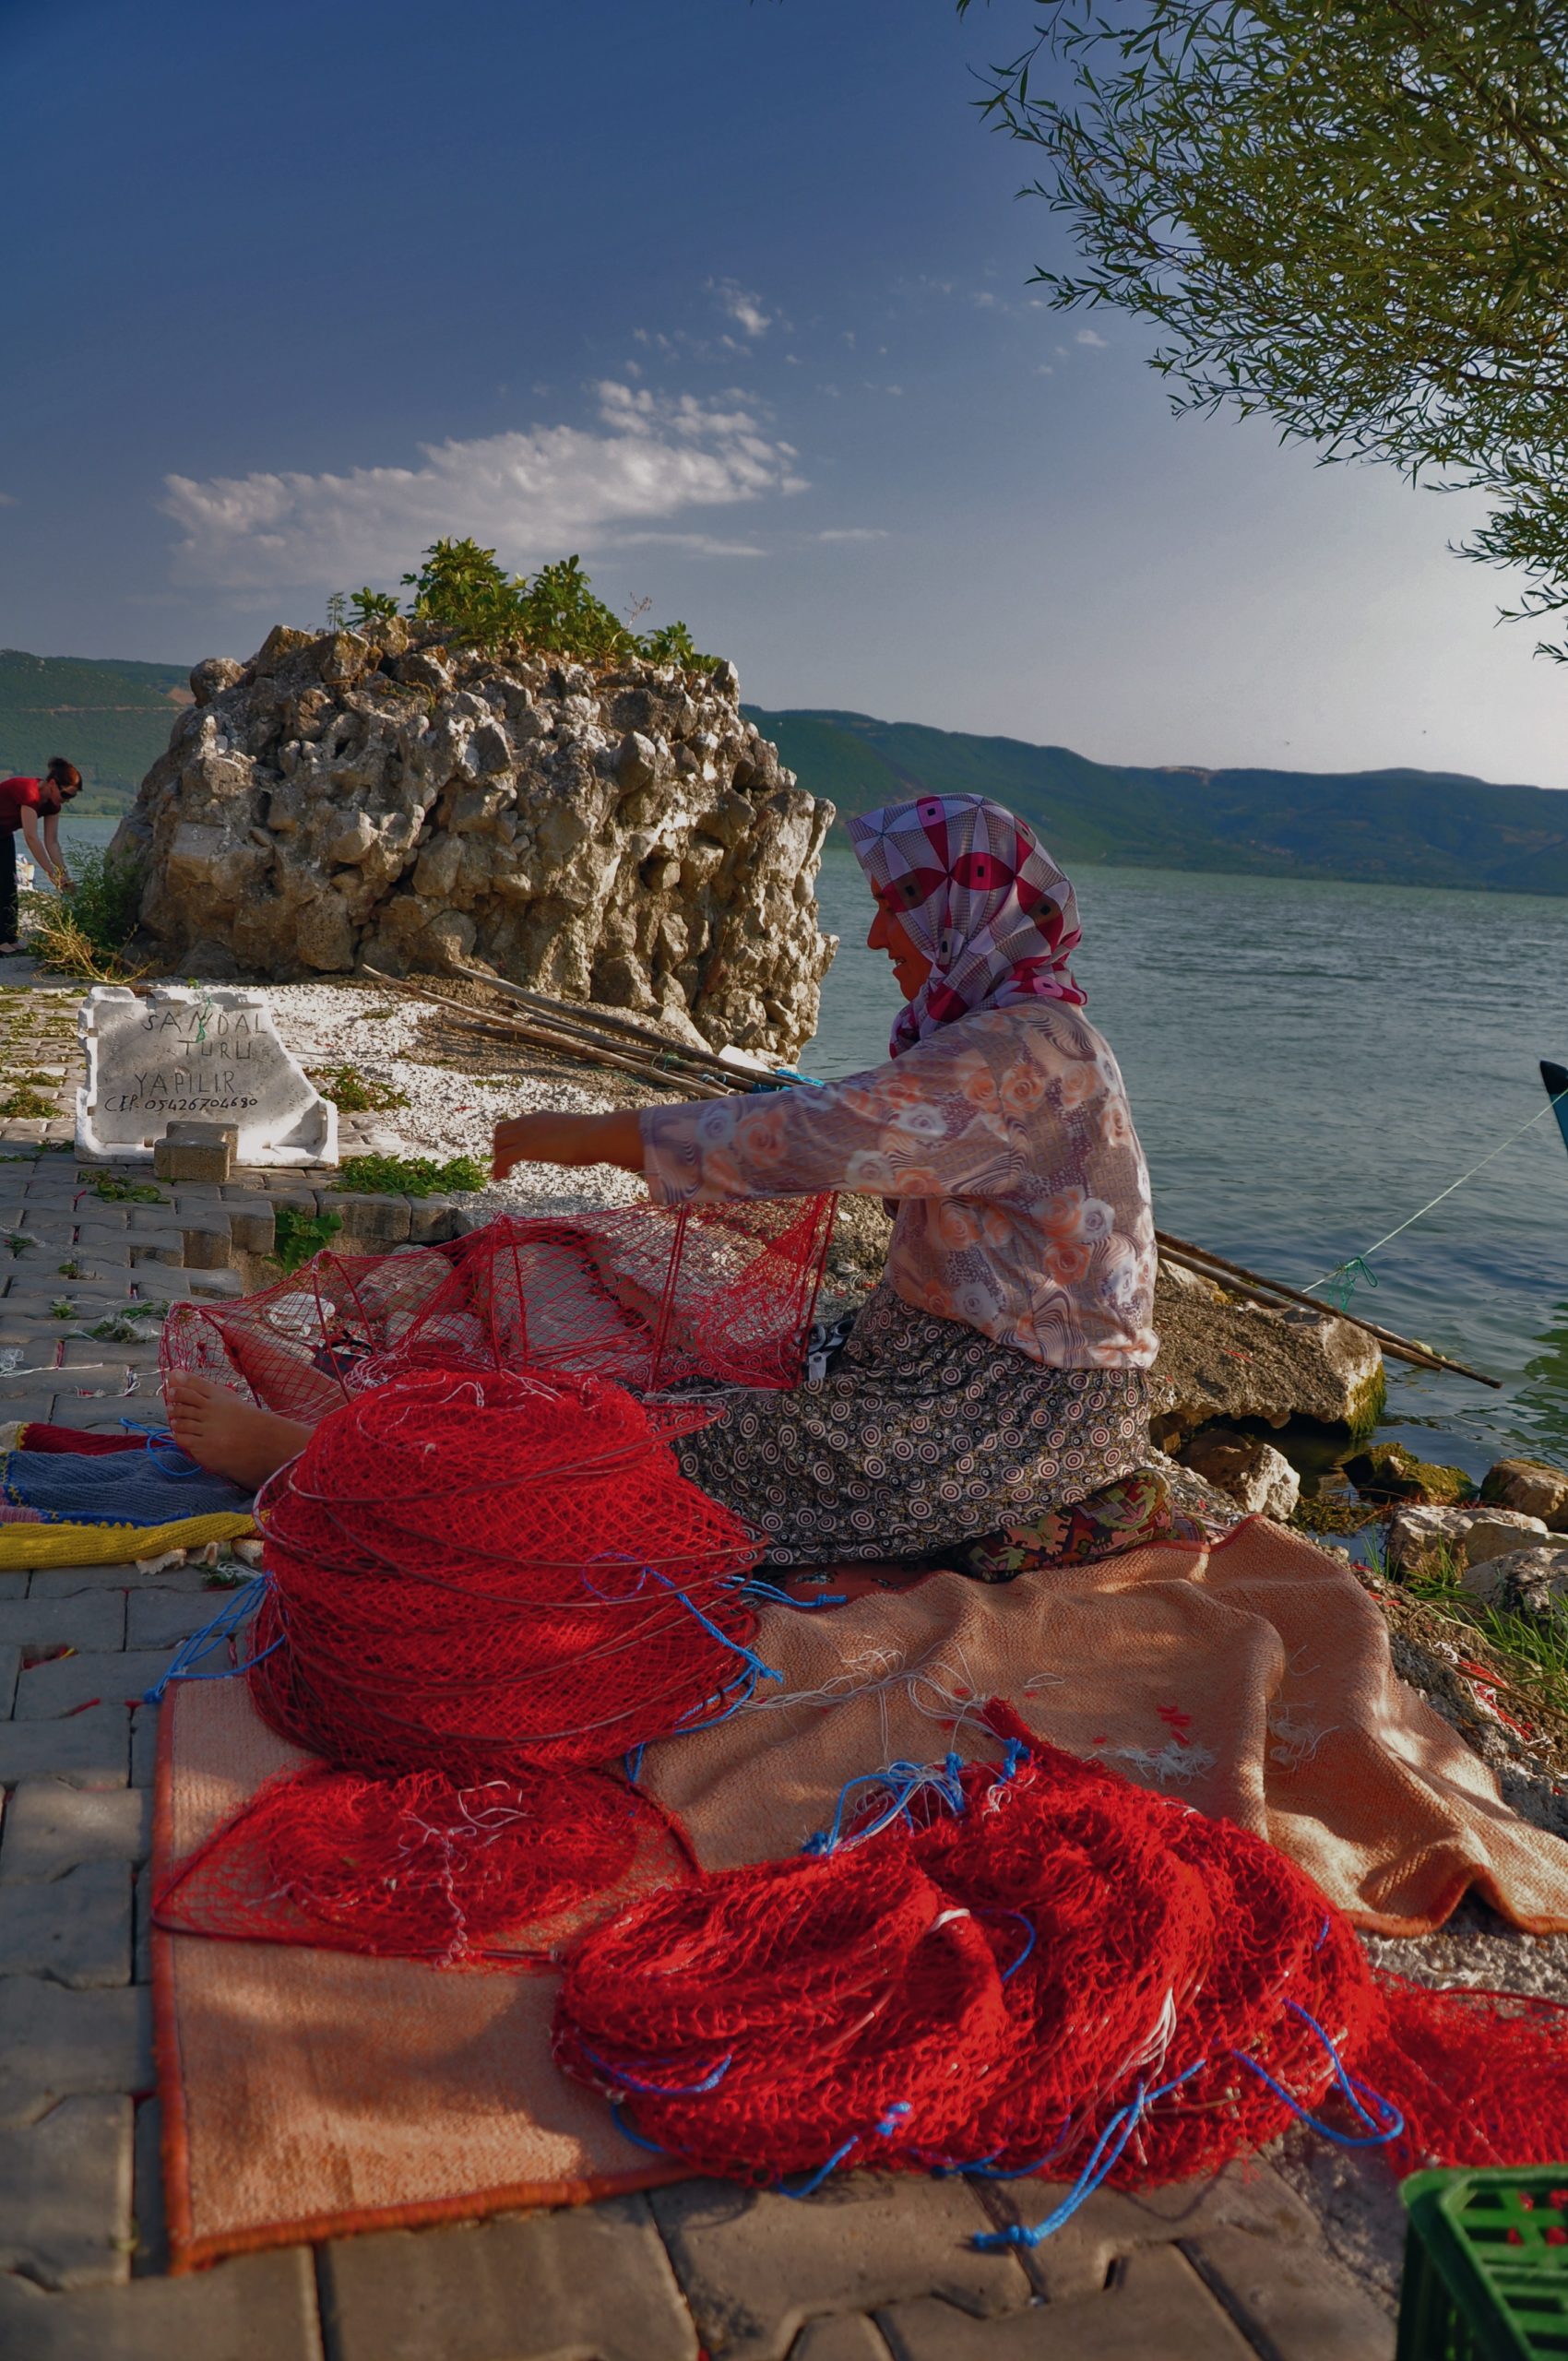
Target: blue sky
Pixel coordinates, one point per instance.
(732, 298)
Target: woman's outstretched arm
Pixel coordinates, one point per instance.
(567, 1139)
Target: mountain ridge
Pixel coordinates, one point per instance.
(1394, 825)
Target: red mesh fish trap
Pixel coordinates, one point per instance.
(653, 1297)
(1036, 1969)
(482, 1570)
(421, 1867)
(479, 1586)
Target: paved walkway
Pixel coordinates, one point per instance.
(870, 2270)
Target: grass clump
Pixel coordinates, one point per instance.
(116, 1191)
(63, 1307)
(353, 1093)
(24, 1101)
(298, 1236)
(83, 935)
(410, 1176)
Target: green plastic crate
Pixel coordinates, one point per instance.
(1486, 2265)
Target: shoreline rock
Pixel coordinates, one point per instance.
(1223, 1358)
(624, 835)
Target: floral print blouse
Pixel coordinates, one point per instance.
(1023, 1199)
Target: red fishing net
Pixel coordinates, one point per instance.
(421, 1867)
(477, 1583)
(648, 1295)
(1036, 1969)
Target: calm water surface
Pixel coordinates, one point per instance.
(1308, 1063)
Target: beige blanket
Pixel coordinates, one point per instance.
(311, 2091)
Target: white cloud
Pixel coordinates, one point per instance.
(7, 499)
(744, 308)
(1090, 336)
(853, 533)
(529, 494)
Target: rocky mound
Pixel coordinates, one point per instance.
(620, 835)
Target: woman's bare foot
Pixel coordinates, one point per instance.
(228, 1436)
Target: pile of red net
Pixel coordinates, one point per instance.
(1039, 1969)
(479, 1586)
(650, 1296)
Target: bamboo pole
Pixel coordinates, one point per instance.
(563, 1045)
(1199, 1259)
(571, 1013)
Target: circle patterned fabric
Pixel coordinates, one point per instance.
(924, 1434)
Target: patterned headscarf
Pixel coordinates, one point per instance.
(978, 898)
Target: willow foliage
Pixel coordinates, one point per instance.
(1349, 216)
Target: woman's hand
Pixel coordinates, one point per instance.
(567, 1139)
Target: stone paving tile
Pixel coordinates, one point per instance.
(144, 1746)
(12, 1583)
(76, 1928)
(1074, 2260)
(93, 1676)
(10, 1670)
(849, 2337)
(755, 2266)
(162, 1618)
(56, 2044)
(1155, 2309)
(258, 2308)
(65, 2195)
(50, 1828)
(91, 1749)
(141, 1920)
(550, 2287)
(148, 2219)
(86, 1621)
(1293, 2301)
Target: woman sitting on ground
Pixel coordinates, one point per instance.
(996, 1378)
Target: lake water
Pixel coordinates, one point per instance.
(1308, 1063)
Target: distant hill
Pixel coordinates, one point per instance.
(111, 719)
(1398, 828)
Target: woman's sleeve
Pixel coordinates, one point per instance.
(902, 1130)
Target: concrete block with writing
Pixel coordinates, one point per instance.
(207, 1052)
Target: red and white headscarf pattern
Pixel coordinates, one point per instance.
(978, 898)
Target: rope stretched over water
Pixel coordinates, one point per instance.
(1346, 1273)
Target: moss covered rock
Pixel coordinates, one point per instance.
(1389, 1472)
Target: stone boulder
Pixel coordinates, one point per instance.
(1419, 1537)
(1260, 1479)
(1530, 1485)
(620, 835)
(1223, 1358)
(1389, 1472)
(1525, 1582)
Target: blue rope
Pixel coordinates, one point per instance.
(902, 1781)
(759, 1670)
(772, 1596)
(629, 2082)
(1101, 2162)
(223, 1627)
(880, 2130)
(1380, 2134)
(625, 2129)
(634, 1763)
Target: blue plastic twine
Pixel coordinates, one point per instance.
(223, 1627)
(1378, 2134)
(1101, 2161)
(901, 1783)
(882, 2129)
(629, 2082)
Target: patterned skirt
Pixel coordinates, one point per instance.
(924, 1435)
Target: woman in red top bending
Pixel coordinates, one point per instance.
(22, 802)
